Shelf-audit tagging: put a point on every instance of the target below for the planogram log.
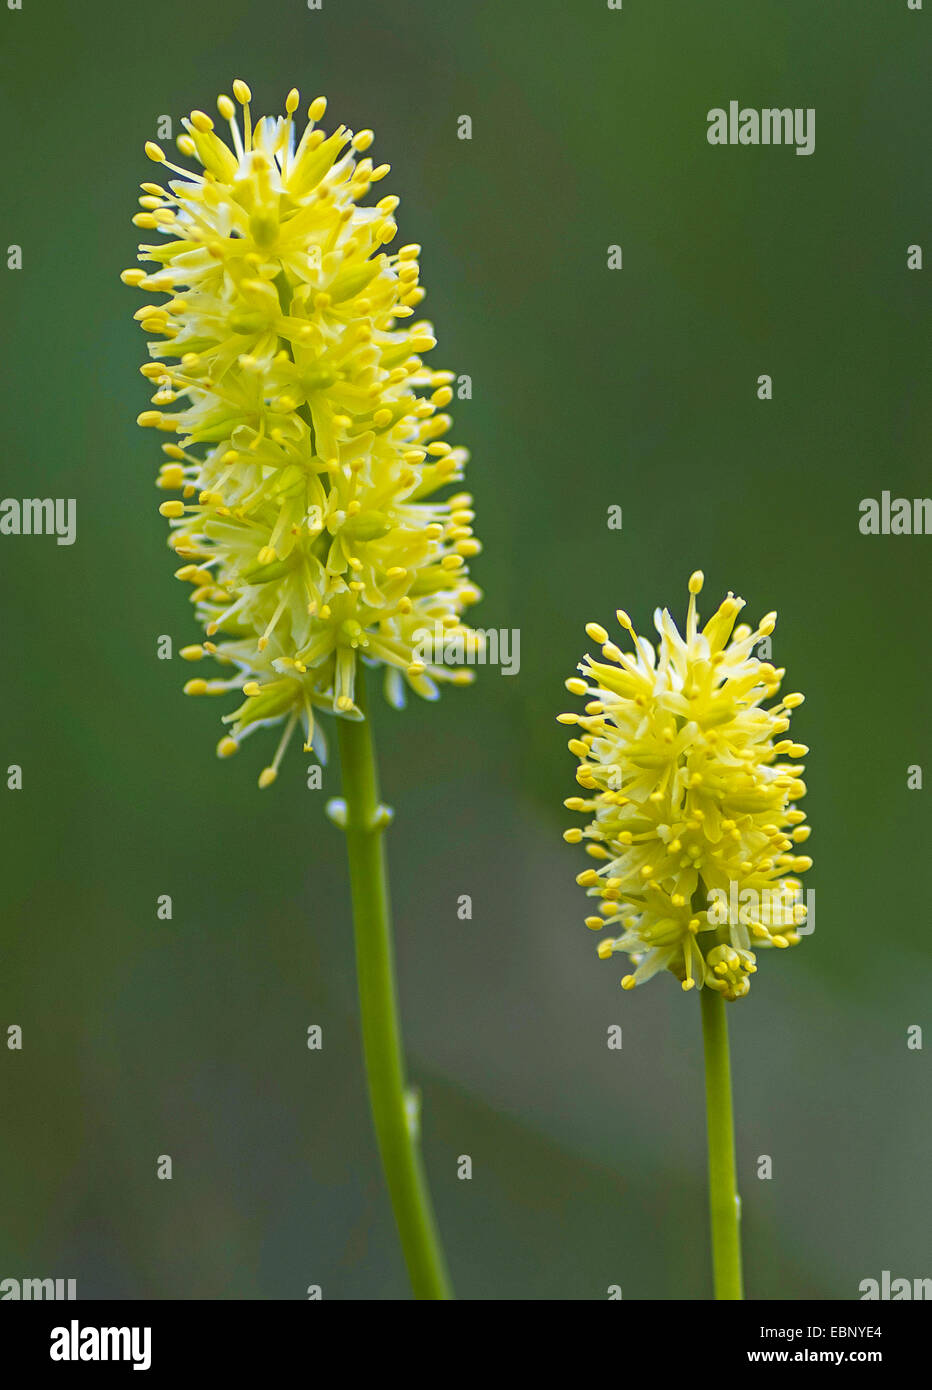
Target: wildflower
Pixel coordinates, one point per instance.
(309, 451)
(691, 800)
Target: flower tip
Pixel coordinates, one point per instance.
(696, 581)
(267, 777)
(241, 92)
(597, 632)
(227, 747)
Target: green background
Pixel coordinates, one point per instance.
(590, 388)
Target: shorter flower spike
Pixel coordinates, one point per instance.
(691, 808)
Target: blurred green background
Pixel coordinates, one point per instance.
(590, 388)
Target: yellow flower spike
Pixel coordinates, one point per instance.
(287, 361)
(690, 808)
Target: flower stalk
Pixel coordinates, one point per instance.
(724, 1202)
(394, 1107)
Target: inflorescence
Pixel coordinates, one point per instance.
(310, 435)
(690, 788)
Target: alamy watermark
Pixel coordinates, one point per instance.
(37, 1290)
(895, 516)
(40, 516)
(442, 646)
(772, 125)
(77, 1343)
(895, 1290)
(775, 908)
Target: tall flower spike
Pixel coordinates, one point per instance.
(693, 823)
(310, 447)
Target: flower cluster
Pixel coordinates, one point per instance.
(310, 435)
(692, 805)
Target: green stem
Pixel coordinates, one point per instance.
(393, 1112)
(724, 1203)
